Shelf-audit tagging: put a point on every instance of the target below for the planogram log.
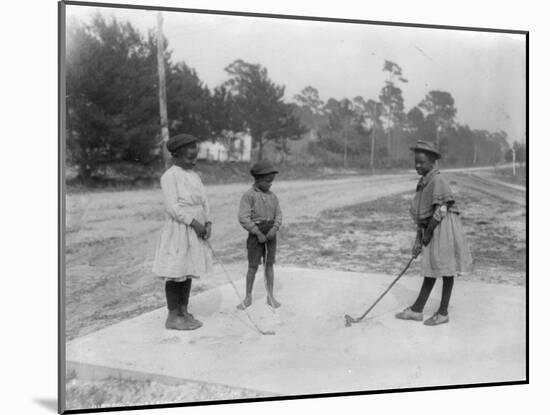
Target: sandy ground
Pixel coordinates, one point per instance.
(110, 240)
(311, 350)
(355, 224)
(111, 237)
(377, 236)
(123, 392)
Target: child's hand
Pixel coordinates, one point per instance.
(261, 237)
(427, 237)
(208, 231)
(429, 231)
(199, 229)
(417, 248)
(272, 233)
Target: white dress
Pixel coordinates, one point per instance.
(180, 253)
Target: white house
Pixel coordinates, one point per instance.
(228, 147)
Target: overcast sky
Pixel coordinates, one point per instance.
(484, 72)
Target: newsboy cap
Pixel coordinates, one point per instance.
(262, 168)
(179, 141)
(426, 147)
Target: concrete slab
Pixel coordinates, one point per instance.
(312, 351)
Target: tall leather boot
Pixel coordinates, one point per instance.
(184, 302)
(173, 298)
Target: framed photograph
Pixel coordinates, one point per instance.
(270, 207)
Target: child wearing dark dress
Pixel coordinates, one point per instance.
(440, 237)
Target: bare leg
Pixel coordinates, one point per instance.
(250, 276)
(269, 281)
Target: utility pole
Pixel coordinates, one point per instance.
(513, 162)
(370, 124)
(345, 150)
(372, 147)
(162, 91)
(437, 143)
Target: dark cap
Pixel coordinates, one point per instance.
(179, 141)
(262, 168)
(426, 147)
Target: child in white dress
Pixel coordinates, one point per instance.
(182, 252)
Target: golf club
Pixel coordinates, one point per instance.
(263, 332)
(350, 320)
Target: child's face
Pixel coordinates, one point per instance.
(422, 163)
(264, 182)
(187, 156)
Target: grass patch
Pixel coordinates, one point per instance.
(117, 392)
(377, 237)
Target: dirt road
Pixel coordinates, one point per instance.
(94, 218)
(356, 224)
(486, 183)
(111, 237)
(302, 200)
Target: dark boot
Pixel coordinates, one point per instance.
(185, 291)
(188, 317)
(173, 299)
(174, 321)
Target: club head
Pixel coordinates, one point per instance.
(349, 320)
(268, 333)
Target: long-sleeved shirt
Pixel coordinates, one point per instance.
(257, 206)
(184, 196)
(180, 252)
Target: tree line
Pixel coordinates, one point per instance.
(113, 109)
(112, 99)
(378, 132)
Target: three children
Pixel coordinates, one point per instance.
(182, 253)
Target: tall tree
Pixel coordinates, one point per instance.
(259, 103)
(419, 126)
(309, 98)
(392, 98)
(222, 113)
(440, 108)
(311, 107)
(112, 106)
(189, 102)
(341, 126)
(369, 117)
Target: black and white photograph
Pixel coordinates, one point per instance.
(270, 206)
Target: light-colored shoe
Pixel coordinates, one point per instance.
(408, 314)
(436, 320)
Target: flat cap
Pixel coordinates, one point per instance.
(180, 140)
(262, 168)
(426, 147)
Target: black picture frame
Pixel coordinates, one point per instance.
(62, 205)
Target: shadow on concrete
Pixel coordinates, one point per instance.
(47, 403)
